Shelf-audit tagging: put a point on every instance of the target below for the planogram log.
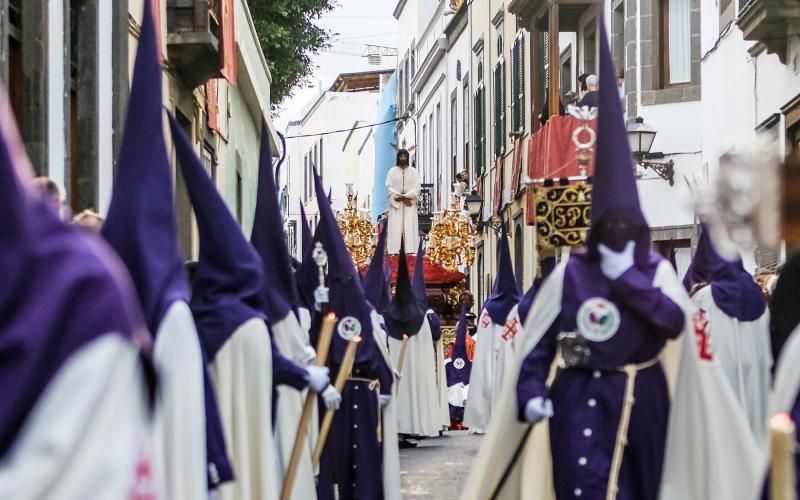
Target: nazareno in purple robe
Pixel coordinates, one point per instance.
(353, 455)
(625, 321)
(459, 368)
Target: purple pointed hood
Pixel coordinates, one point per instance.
(459, 369)
(526, 301)
(347, 299)
(279, 292)
(505, 294)
(418, 282)
(375, 281)
(403, 316)
(616, 214)
(228, 281)
(141, 224)
(733, 289)
(61, 289)
(307, 237)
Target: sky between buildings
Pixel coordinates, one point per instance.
(354, 23)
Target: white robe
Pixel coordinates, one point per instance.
(391, 449)
(494, 355)
(86, 433)
(703, 460)
(417, 392)
(180, 421)
(744, 353)
(441, 382)
(291, 339)
(242, 372)
(402, 219)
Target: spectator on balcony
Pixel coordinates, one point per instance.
(545, 114)
(590, 99)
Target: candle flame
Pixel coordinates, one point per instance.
(331, 316)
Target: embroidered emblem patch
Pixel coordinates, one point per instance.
(485, 319)
(598, 319)
(459, 363)
(510, 329)
(349, 327)
(701, 334)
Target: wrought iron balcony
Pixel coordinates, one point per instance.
(193, 39)
(769, 22)
(425, 208)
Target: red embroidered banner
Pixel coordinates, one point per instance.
(497, 194)
(228, 42)
(551, 152)
(516, 171)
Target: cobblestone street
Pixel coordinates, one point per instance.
(437, 468)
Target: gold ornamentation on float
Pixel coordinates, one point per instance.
(562, 214)
(452, 237)
(356, 230)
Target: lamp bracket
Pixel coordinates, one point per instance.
(665, 170)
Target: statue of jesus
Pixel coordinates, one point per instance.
(402, 190)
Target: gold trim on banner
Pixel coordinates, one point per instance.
(562, 215)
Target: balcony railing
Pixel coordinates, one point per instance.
(770, 22)
(193, 39)
(425, 208)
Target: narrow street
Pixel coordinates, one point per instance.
(437, 468)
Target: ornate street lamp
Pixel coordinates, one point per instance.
(641, 137)
(473, 203)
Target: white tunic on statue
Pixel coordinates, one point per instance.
(87, 432)
(494, 356)
(417, 392)
(744, 353)
(402, 218)
(242, 372)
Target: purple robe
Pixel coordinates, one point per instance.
(588, 400)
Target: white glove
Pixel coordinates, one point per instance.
(384, 399)
(397, 374)
(331, 397)
(318, 378)
(615, 264)
(537, 409)
(309, 356)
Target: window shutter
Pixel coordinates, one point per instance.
(518, 84)
(546, 53)
(480, 129)
(228, 42)
(498, 109)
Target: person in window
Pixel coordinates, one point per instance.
(591, 97)
(545, 114)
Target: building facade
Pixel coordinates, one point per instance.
(67, 66)
(342, 155)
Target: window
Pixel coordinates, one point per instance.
(238, 188)
(675, 42)
(438, 153)
(566, 70)
(479, 269)
(431, 149)
(499, 109)
(320, 158)
(465, 97)
(480, 124)
(453, 136)
(208, 161)
(590, 48)
(306, 178)
(424, 154)
(519, 252)
(407, 86)
(400, 107)
(413, 65)
(518, 83)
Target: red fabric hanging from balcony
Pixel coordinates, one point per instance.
(551, 152)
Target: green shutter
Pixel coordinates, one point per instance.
(499, 110)
(518, 84)
(480, 130)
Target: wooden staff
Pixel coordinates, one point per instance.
(783, 475)
(341, 379)
(323, 347)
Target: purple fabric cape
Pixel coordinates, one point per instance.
(505, 294)
(733, 289)
(141, 225)
(61, 290)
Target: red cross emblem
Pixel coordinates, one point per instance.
(510, 329)
(485, 320)
(143, 481)
(700, 322)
